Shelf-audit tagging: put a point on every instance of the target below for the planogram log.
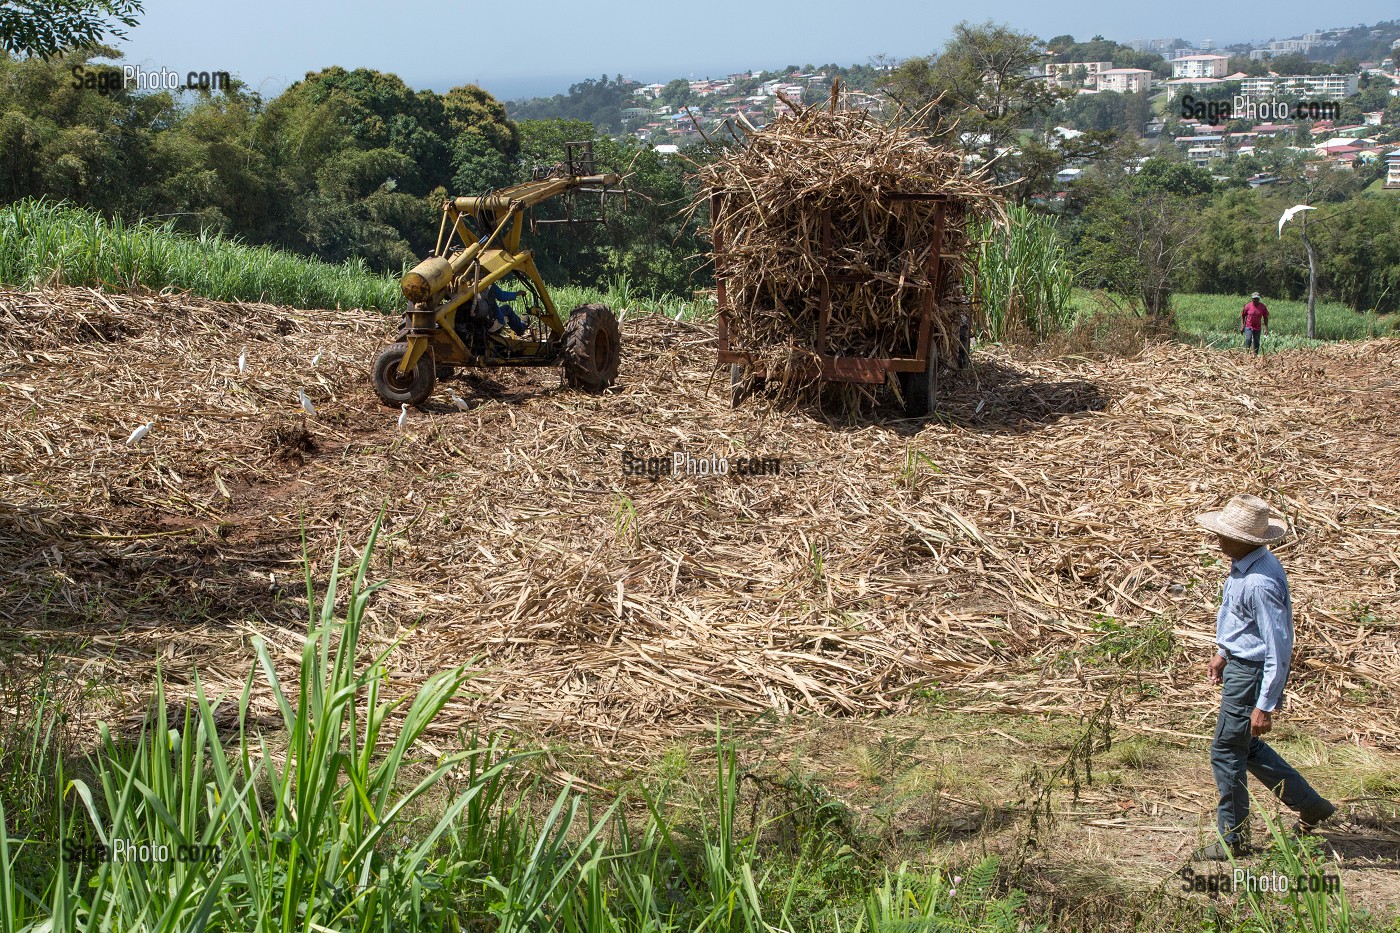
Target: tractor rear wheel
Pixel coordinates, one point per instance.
(920, 390)
(395, 388)
(592, 348)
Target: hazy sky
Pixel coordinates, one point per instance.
(548, 44)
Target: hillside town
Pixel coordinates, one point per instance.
(1213, 114)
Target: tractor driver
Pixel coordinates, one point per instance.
(504, 313)
(500, 314)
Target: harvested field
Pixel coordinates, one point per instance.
(1020, 553)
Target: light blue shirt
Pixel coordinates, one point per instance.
(1255, 622)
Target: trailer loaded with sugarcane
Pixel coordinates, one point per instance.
(840, 245)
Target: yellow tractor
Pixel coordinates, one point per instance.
(459, 311)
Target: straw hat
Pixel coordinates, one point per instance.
(1244, 518)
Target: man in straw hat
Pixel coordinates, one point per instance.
(1254, 632)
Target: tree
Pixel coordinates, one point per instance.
(1253, 67)
(46, 28)
(676, 93)
(1295, 63)
(1138, 233)
(985, 90)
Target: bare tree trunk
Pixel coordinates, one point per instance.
(1312, 281)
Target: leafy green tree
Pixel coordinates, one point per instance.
(361, 161)
(1250, 66)
(600, 102)
(480, 167)
(1138, 231)
(676, 93)
(980, 91)
(469, 108)
(61, 141)
(213, 178)
(47, 28)
(1296, 63)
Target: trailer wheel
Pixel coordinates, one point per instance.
(742, 383)
(920, 390)
(393, 388)
(592, 348)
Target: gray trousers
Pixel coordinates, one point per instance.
(1235, 753)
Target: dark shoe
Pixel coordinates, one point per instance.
(1217, 851)
(1308, 820)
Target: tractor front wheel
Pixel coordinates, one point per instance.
(592, 348)
(395, 388)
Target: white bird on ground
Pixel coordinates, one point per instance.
(403, 416)
(306, 405)
(460, 402)
(315, 360)
(243, 361)
(1288, 215)
(139, 433)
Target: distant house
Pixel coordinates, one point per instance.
(1062, 74)
(1343, 142)
(1200, 66)
(1308, 87)
(1201, 156)
(1125, 80)
(1392, 169)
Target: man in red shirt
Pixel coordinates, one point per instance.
(1254, 321)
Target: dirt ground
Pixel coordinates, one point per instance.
(1020, 560)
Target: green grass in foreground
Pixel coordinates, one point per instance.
(343, 820)
(43, 242)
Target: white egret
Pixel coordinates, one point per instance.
(243, 361)
(403, 416)
(316, 360)
(1288, 215)
(306, 405)
(139, 433)
(460, 402)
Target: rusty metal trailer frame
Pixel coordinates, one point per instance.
(833, 368)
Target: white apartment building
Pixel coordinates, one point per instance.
(1292, 45)
(1062, 73)
(1200, 66)
(1125, 80)
(1303, 87)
